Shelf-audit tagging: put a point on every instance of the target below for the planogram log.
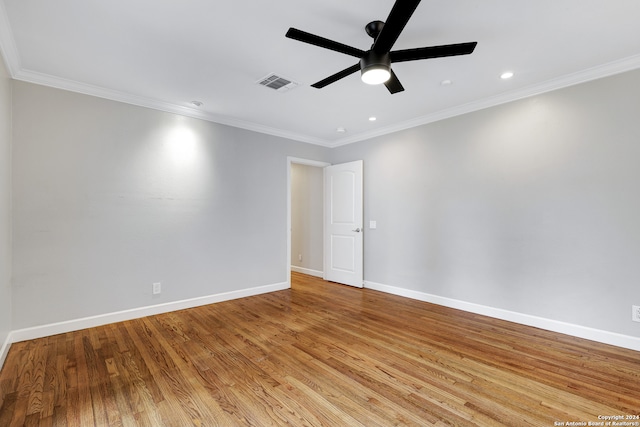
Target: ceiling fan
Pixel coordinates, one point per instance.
(375, 63)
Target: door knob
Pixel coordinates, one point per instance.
(357, 230)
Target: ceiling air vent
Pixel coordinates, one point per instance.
(278, 83)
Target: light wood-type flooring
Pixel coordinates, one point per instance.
(319, 354)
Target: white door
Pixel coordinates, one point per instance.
(343, 220)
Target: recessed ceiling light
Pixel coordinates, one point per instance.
(445, 82)
(506, 75)
(372, 119)
(341, 130)
(197, 103)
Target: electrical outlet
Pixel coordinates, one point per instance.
(635, 315)
(299, 257)
(157, 288)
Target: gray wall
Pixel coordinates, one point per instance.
(5, 204)
(109, 198)
(531, 206)
(306, 216)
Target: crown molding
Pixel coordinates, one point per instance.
(598, 72)
(11, 57)
(113, 95)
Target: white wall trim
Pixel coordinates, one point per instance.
(299, 161)
(582, 76)
(9, 51)
(310, 272)
(155, 104)
(612, 338)
(4, 350)
(135, 313)
(560, 82)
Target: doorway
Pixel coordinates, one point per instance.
(327, 240)
(304, 216)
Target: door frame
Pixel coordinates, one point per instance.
(300, 161)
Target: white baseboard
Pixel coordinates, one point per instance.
(310, 272)
(4, 349)
(135, 313)
(612, 338)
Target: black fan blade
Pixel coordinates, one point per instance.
(397, 19)
(305, 37)
(337, 76)
(393, 84)
(432, 52)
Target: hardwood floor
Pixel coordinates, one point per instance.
(317, 354)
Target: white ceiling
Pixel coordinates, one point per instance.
(166, 53)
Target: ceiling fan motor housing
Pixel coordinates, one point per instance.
(375, 61)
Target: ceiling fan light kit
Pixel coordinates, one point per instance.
(375, 68)
(375, 63)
